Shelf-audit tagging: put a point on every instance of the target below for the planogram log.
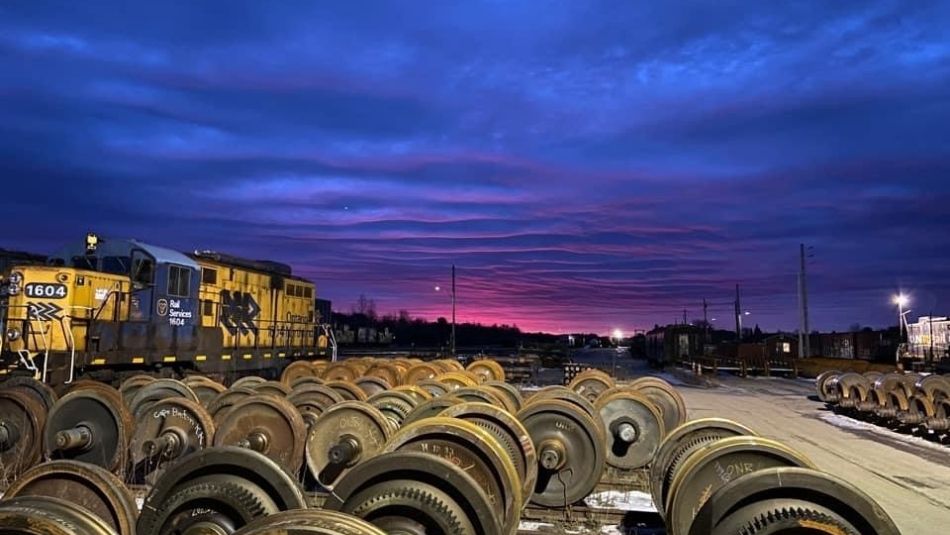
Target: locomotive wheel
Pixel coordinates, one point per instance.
(919, 409)
(43, 515)
(340, 371)
(320, 366)
(372, 385)
(466, 444)
(91, 425)
(421, 372)
(86, 485)
(515, 398)
(680, 443)
(591, 385)
(394, 405)
(39, 390)
(448, 365)
(219, 407)
(415, 493)
(312, 400)
(563, 393)
(274, 388)
(345, 435)
(634, 426)
(934, 387)
(268, 425)
(487, 370)
(157, 390)
(665, 397)
(310, 521)
(709, 468)
(823, 385)
(431, 408)
(170, 429)
(348, 390)
(510, 433)
(798, 500)
(22, 418)
(218, 490)
(296, 371)
(249, 381)
(205, 388)
(571, 453)
(418, 393)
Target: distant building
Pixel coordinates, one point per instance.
(670, 344)
(929, 338)
(781, 345)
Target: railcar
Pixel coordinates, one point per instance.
(107, 308)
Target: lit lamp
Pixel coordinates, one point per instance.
(901, 301)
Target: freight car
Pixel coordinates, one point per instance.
(108, 308)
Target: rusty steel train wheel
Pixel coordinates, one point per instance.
(44, 515)
(345, 435)
(341, 371)
(205, 388)
(349, 390)
(791, 500)
(473, 447)
(420, 372)
(824, 385)
(851, 389)
(478, 394)
(22, 418)
(273, 388)
(591, 384)
(170, 429)
(312, 400)
(433, 387)
(394, 405)
(306, 380)
(634, 426)
(665, 397)
(412, 493)
(386, 371)
(42, 392)
(268, 425)
(249, 381)
(216, 491)
(296, 371)
(219, 407)
(710, 467)
(417, 392)
(310, 522)
(431, 408)
(91, 425)
(679, 443)
(515, 399)
(571, 451)
(457, 379)
(487, 370)
(372, 385)
(85, 485)
(512, 436)
(157, 390)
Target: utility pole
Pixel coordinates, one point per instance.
(684, 317)
(804, 337)
(453, 310)
(705, 323)
(738, 317)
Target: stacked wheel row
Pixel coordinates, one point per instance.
(907, 402)
(444, 450)
(717, 477)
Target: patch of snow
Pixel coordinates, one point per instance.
(631, 500)
(672, 379)
(526, 525)
(139, 502)
(844, 422)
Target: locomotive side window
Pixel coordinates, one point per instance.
(179, 281)
(85, 262)
(118, 265)
(209, 276)
(143, 269)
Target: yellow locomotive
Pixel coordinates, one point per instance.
(119, 306)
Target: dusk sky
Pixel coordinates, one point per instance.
(586, 165)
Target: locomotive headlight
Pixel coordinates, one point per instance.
(16, 278)
(13, 334)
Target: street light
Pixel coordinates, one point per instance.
(901, 300)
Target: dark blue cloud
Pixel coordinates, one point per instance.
(587, 165)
